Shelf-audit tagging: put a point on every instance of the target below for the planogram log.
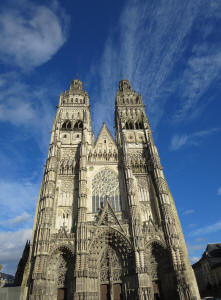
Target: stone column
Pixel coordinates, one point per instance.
(144, 290)
(81, 270)
(41, 236)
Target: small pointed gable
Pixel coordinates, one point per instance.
(105, 139)
(108, 217)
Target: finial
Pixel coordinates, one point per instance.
(76, 84)
(124, 84)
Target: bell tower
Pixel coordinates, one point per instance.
(155, 227)
(61, 207)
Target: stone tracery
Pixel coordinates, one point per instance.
(109, 237)
(105, 186)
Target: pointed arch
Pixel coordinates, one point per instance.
(78, 124)
(158, 260)
(60, 268)
(109, 237)
(67, 125)
(136, 125)
(140, 125)
(111, 261)
(131, 125)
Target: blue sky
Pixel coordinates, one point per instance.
(170, 52)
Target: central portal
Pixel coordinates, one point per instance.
(110, 276)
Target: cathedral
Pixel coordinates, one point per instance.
(106, 226)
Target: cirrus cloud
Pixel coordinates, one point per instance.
(207, 229)
(193, 139)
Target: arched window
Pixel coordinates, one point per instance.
(105, 186)
(78, 125)
(131, 125)
(140, 125)
(67, 125)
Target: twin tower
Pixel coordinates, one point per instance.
(106, 226)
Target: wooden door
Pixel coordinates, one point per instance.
(117, 291)
(61, 294)
(105, 292)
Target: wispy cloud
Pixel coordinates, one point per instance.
(178, 141)
(192, 225)
(200, 239)
(219, 191)
(27, 106)
(192, 248)
(17, 202)
(149, 46)
(207, 229)
(194, 259)
(11, 247)
(188, 212)
(150, 38)
(202, 69)
(24, 217)
(31, 34)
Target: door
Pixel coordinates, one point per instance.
(61, 294)
(105, 292)
(117, 291)
(156, 290)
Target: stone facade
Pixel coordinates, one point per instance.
(208, 271)
(106, 225)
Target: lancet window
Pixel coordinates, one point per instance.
(105, 186)
(78, 125)
(67, 125)
(134, 125)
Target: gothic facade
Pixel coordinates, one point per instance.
(106, 226)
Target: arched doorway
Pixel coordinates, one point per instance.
(111, 263)
(162, 272)
(60, 274)
(111, 275)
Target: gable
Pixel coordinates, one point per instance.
(109, 218)
(105, 140)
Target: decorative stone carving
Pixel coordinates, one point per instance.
(65, 198)
(162, 185)
(110, 267)
(105, 186)
(67, 166)
(138, 161)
